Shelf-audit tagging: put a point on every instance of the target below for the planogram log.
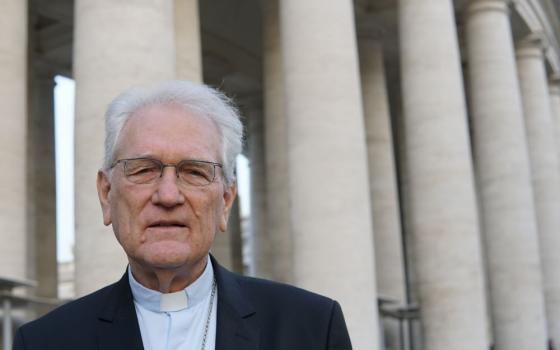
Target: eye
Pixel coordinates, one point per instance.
(196, 173)
(142, 170)
(194, 170)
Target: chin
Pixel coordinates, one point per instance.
(164, 262)
(170, 256)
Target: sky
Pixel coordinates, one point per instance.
(64, 93)
(64, 145)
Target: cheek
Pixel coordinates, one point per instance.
(125, 211)
(208, 210)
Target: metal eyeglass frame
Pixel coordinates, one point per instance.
(163, 165)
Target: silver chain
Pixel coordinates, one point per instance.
(209, 314)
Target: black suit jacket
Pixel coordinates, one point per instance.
(252, 314)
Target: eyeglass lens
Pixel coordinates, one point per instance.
(145, 170)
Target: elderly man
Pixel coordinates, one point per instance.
(166, 187)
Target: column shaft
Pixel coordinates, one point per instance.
(444, 221)
(187, 40)
(221, 248)
(382, 183)
(112, 52)
(263, 260)
(227, 247)
(554, 91)
(330, 207)
(413, 329)
(276, 145)
(382, 177)
(504, 183)
(236, 241)
(13, 99)
(545, 174)
(42, 185)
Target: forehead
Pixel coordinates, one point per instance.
(170, 133)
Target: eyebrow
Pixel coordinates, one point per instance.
(144, 155)
(151, 156)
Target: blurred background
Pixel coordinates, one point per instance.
(401, 157)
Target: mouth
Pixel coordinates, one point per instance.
(167, 224)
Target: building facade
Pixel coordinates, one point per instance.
(405, 155)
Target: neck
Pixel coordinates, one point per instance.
(167, 280)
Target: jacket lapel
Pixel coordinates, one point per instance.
(117, 325)
(236, 327)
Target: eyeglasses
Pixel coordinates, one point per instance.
(148, 170)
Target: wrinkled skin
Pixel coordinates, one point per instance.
(166, 228)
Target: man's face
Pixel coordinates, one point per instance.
(166, 224)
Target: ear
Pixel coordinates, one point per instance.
(228, 197)
(103, 189)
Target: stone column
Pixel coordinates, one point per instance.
(187, 40)
(276, 144)
(382, 182)
(545, 172)
(42, 185)
(330, 206)
(221, 248)
(504, 182)
(262, 248)
(117, 44)
(554, 91)
(413, 329)
(442, 203)
(13, 124)
(227, 247)
(235, 241)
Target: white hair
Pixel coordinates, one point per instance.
(199, 99)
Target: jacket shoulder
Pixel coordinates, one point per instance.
(74, 320)
(283, 295)
(298, 315)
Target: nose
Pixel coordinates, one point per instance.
(167, 193)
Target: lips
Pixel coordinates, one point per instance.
(166, 223)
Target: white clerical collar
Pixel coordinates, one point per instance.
(177, 301)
